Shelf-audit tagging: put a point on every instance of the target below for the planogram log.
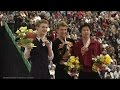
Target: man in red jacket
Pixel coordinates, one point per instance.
(85, 49)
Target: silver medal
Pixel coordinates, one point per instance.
(43, 44)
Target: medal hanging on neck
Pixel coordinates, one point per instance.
(43, 44)
(85, 47)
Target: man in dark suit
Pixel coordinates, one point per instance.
(61, 51)
(41, 54)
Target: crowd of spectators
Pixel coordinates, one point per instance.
(105, 26)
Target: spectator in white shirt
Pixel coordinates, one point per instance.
(117, 73)
(108, 74)
(104, 44)
(118, 40)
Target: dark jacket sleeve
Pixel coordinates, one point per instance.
(58, 53)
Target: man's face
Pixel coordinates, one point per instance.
(85, 31)
(62, 31)
(42, 29)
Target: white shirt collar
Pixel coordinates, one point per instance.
(38, 38)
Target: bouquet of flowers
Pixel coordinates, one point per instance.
(101, 62)
(25, 37)
(73, 66)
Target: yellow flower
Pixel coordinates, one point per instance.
(102, 58)
(77, 58)
(17, 31)
(72, 63)
(98, 57)
(23, 28)
(23, 34)
(72, 66)
(72, 57)
(69, 64)
(65, 63)
(32, 45)
(77, 61)
(72, 60)
(69, 68)
(107, 59)
(94, 67)
(77, 66)
(30, 30)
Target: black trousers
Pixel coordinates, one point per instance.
(61, 73)
(88, 75)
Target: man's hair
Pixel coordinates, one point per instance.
(84, 25)
(62, 24)
(40, 22)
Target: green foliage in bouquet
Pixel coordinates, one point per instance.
(101, 62)
(73, 66)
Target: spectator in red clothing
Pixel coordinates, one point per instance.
(80, 14)
(99, 33)
(53, 35)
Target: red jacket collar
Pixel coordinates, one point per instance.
(91, 41)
